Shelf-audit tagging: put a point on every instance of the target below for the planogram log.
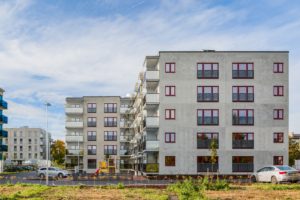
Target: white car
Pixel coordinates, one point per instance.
(276, 174)
(52, 172)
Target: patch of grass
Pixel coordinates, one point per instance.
(268, 186)
(21, 191)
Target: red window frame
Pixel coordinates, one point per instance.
(212, 92)
(247, 69)
(212, 115)
(212, 68)
(278, 67)
(238, 92)
(247, 115)
(278, 160)
(278, 137)
(207, 136)
(168, 137)
(245, 134)
(278, 114)
(168, 67)
(168, 90)
(278, 90)
(169, 111)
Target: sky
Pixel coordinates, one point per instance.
(53, 49)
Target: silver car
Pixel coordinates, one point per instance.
(52, 172)
(276, 174)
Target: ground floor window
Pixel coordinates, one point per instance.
(206, 164)
(92, 163)
(242, 164)
(278, 160)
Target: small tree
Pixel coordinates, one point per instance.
(294, 151)
(58, 151)
(213, 152)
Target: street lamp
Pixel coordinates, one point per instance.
(47, 143)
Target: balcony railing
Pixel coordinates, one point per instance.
(207, 167)
(242, 73)
(74, 138)
(91, 137)
(151, 145)
(110, 124)
(110, 138)
(208, 121)
(124, 152)
(243, 97)
(3, 119)
(125, 138)
(207, 74)
(152, 75)
(152, 98)
(3, 133)
(74, 124)
(242, 120)
(3, 147)
(92, 152)
(110, 110)
(208, 97)
(74, 152)
(242, 144)
(73, 110)
(3, 104)
(91, 110)
(91, 124)
(110, 151)
(242, 167)
(152, 121)
(124, 110)
(151, 167)
(206, 143)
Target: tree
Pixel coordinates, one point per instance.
(294, 151)
(58, 151)
(213, 152)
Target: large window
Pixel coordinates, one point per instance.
(207, 70)
(278, 90)
(208, 94)
(204, 164)
(92, 122)
(170, 137)
(110, 107)
(278, 137)
(170, 90)
(242, 117)
(242, 70)
(278, 114)
(242, 93)
(110, 149)
(278, 160)
(170, 161)
(278, 67)
(92, 163)
(110, 122)
(110, 136)
(170, 67)
(91, 108)
(242, 164)
(208, 117)
(242, 140)
(91, 136)
(170, 114)
(92, 149)
(204, 140)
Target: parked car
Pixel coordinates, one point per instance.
(276, 174)
(52, 172)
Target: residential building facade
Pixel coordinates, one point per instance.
(26, 144)
(3, 133)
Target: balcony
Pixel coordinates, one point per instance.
(206, 143)
(125, 125)
(110, 151)
(151, 168)
(151, 145)
(3, 119)
(74, 138)
(152, 75)
(124, 110)
(207, 167)
(3, 134)
(243, 144)
(126, 166)
(3, 147)
(242, 167)
(74, 152)
(124, 152)
(74, 124)
(125, 138)
(152, 122)
(3, 104)
(74, 110)
(152, 98)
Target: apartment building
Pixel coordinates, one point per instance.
(93, 130)
(26, 144)
(184, 101)
(3, 133)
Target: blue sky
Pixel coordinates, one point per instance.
(52, 49)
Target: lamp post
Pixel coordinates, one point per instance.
(47, 143)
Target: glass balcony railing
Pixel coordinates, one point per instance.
(151, 168)
(3, 133)
(242, 167)
(207, 167)
(3, 119)
(3, 104)
(3, 147)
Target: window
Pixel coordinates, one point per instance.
(92, 122)
(242, 93)
(15, 148)
(29, 148)
(170, 161)
(242, 117)
(208, 94)
(110, 136)
(21, 155)
(15, 155)
(15, 133)
(110, 149)
(278, 160)
(170, 114)
(170, 90)
(110, 122)
(242, 140)
(204, 164)
(204, 140)
(15, 141)
(278, 67)
(242, 70)
(21, 141)
(92, 149)
(278, 90)
(278, 114)
(208, 117)
(207, 70)
(91, 108)
(278, 137)
(29, 156)
(92, 163)
(242, 164)
(110, 108)
(29, 141)
(21, 148)
(91, 136)
(170, 67)
(170, 137)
